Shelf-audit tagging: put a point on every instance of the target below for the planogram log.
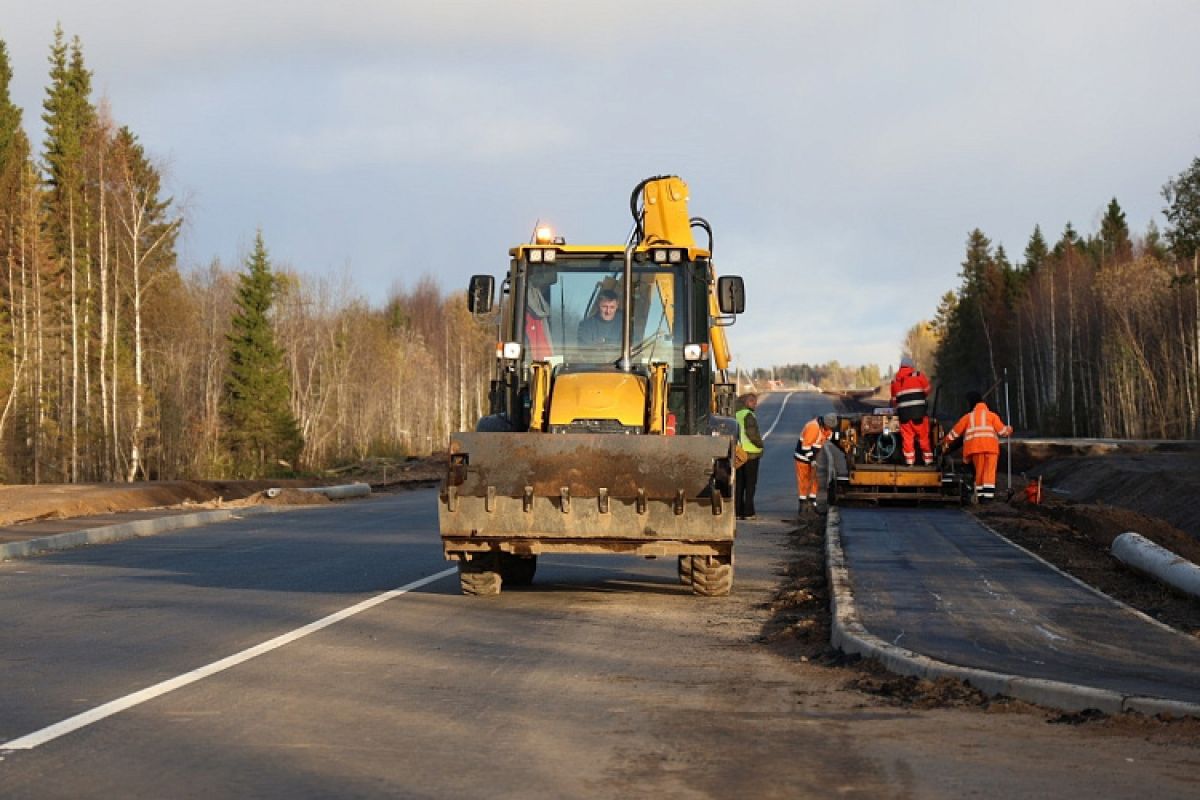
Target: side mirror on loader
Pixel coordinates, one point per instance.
(731, 294)
(480, 294)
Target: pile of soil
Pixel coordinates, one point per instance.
(393, 474)
(1162, 483)
(283, 497)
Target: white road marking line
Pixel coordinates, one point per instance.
(32, 740)
(782, 406)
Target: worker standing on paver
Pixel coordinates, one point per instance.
(910, 388)
(814, 436)
(751, 442)
(981, 430)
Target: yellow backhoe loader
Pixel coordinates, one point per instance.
(609, 429)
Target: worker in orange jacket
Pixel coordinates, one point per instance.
(981, 430)
(910, 388)
(808, 448)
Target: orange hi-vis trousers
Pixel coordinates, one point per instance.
(806, 480)
(985, 473)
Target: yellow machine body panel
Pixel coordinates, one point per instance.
(599, 396)
(891, 475)
(666, 219)
(720, 345)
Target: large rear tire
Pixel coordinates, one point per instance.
(479, 576)
(712, 576)
(517, 570)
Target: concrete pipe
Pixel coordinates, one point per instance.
(1138, 552)
(343, 492)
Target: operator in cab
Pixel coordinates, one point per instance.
(603, 329)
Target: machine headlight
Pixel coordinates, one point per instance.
(534, 256)
(695, 352)
(660, 256)
(512, 350)
(676, 256)
(549, 255)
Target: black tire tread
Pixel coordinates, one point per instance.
(712, 577)
(685, 570)
(479, 578)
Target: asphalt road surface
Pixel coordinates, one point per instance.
(327, 653)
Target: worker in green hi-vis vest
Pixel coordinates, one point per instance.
(751, 441)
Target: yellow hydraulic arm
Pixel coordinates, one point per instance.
(665, 220)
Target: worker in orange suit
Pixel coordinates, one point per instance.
(808, 448)
(981, 430)
(910, 388)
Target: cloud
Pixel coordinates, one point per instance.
(380, 118)
(841, 150)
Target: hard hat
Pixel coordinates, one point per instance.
(829, 420)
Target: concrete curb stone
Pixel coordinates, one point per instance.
(130, 530)
(150, 527)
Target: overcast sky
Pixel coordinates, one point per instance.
(841, 150)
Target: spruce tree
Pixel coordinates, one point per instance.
(261, 433)
(1182, 194)
(69, 117)
(1035, 251)
(1114, 242)
(10, 116)
(14, 156)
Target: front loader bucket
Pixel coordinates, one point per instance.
(536, 492)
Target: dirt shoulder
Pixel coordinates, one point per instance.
(30, 503)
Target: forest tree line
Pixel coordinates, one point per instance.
(830, 376)
(115, 364)
(1097, 334)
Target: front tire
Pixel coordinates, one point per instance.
(480, 576)
(712, 576)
